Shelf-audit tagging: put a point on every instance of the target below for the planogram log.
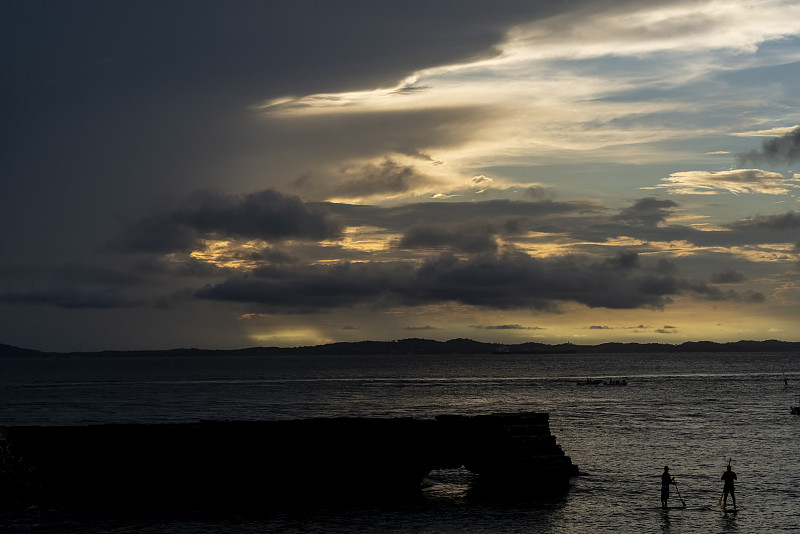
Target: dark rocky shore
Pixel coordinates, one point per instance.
(266, 464)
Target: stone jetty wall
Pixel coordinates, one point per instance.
(274, 463)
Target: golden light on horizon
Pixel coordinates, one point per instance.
(289, 336)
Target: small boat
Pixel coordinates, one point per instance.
(590, 382)
(616, 382)
(796, 408)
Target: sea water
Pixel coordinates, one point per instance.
(692, 411)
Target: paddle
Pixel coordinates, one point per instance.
(723, 491)
(679, 492)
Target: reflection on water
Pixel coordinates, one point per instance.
(447, 484)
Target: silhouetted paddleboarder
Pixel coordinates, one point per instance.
(728, 476)
(666, 480)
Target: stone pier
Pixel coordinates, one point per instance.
(264, 464)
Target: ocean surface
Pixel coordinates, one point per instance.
(691, 411)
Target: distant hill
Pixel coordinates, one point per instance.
(429, 346)
(10, 351)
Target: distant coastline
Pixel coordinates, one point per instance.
(429, 346)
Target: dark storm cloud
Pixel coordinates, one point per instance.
(727, 277)
(475, 226)
(776, 151)
(647, 211)
(70, 286)
(706, 292)
(748, 296)
(647, 218)
(69, 298)
(462, 227)
(433, 237)
(473, 237)
(92, 274)
(267, 215)
(312, 288)
(132, 101)
(386, 178)
(291, 281)
(253, 49)
(504, 281)
(762, 229)
(71, 273)
(156, 235)
(154, 267)
(538, 193)
(789, 221)
(401, 218)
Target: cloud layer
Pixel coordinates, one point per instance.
(287, 170)
(506, 281)
(267, 215)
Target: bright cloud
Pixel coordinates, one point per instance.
(772, 132)
(738, 181)
(548, 100)
(681, 26)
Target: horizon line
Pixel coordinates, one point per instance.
(7, 347)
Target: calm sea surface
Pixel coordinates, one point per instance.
(689, 411)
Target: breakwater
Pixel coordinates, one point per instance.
(264, 464)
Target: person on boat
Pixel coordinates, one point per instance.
(666, 480)
(728, 476)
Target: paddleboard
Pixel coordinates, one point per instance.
(674, 508)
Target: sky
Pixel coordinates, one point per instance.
(224, 175)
